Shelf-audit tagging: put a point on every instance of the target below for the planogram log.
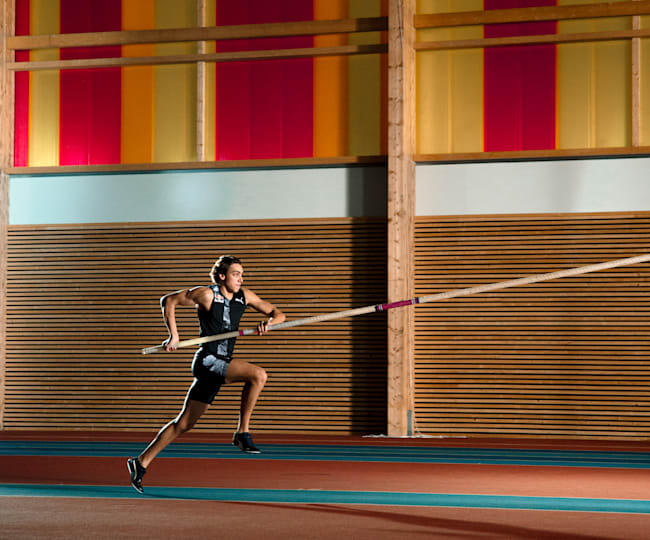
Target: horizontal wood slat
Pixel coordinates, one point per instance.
(562, 359)
(479, 43)
(557, 153)
(532, 14)
(82, 300)
(202, 165)
(237, 56)
(178, 35)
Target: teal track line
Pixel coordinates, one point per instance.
(358, 453)
(297, 496)
(350, 453)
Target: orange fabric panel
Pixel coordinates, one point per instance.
(137, 87)
(330, 86)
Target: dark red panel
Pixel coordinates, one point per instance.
(21, 110)
(267, 86)
(233, 90)
(298, 88)
(90, 102)
(264, 108)
(519, 85)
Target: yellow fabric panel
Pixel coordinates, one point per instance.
(175, 88)
(449, 103)
(593, 86)
(44, 89)
(137, 87)
(575, 109)
(364, 87)
(330, 86)
(613, 94)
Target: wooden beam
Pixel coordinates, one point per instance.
(544, 13)
(6, 85)
(530, 40)
(401, 212)
(201, 88)
(636, 83)
(533, 154)
(192, 165)
(310, 52)
(243, 31)
(6, 157)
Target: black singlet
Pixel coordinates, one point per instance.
(212, 359)
(223, 316)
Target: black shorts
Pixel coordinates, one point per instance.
(209, 372)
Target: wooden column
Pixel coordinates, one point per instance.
(401, 212)
(6, 153)
(636, 84)
(201, 86)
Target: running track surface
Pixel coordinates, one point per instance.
(75, 485)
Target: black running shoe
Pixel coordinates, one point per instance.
(245, 443)
(136, 471)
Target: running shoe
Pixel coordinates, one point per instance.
(245, 443)
(136, 471)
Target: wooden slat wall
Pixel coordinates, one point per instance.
(83, 301)
(560, 359)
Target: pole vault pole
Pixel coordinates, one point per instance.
(421, 300)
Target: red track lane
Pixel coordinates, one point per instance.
(336, 475)
(61, 518)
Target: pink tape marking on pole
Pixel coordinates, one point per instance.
(401, 303)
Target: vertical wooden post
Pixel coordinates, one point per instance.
(401, 210)
(636, 84)
(201, 86)
(6, 158)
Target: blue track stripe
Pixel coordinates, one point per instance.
(395, 454)
(289, 496)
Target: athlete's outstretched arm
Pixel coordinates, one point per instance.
(274, 315)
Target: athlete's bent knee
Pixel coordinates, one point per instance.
(260, 377)
(184, 424)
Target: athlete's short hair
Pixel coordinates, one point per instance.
(221, 267)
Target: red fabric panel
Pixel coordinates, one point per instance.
(267, 84)
(21, 105)
(298, 88)
(264, 108)
(267, 108)
(233, 89)
(90, 102)
(519, 85)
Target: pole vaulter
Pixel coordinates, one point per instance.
(421, 300)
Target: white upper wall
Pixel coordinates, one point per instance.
(198, 195)
(585, 185)
(581, 185)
